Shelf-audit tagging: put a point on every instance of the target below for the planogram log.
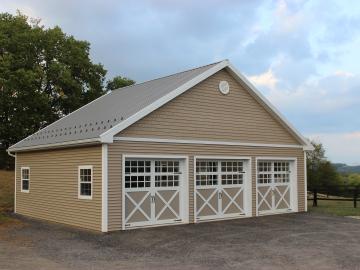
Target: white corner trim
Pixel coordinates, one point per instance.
(15, 191)
(305, 182)
(107, 137)
(55, 145)
(159, 140)
(242, 78)
(104, 189)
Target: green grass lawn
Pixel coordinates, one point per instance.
(337, 208)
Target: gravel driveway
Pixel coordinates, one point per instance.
(291, 241)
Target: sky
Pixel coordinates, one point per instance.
(302, 55)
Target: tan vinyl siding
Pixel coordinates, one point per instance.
(118, 148)
(203, 113)
(54, 186)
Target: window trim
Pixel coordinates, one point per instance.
(22, 179)
(85, 197)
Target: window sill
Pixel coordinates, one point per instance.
(25, 191)
(84, 197)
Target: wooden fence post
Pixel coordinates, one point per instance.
(315, 198)
(355, 196)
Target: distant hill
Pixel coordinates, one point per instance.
(343, 168)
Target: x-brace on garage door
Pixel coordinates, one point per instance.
(221, 188)
(153, 191)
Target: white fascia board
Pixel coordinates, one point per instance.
(107, 137)
(309, 147)
(231, 143)
(55, 145)
(242, 78)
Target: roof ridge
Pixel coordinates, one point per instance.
(129, 86)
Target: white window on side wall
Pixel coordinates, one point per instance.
(85, 182)
(25, 179)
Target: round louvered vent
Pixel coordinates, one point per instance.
(224, 87)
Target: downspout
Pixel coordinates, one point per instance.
(10, 154)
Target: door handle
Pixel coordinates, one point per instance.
(220, 194)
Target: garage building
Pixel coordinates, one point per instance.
(199, 145)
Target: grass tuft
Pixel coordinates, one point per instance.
(336, 208)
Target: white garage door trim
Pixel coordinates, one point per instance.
(293, 184)
(183, 188)
(247, 186)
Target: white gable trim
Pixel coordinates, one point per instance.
(108, 136)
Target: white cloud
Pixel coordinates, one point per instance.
(293, 20)
(266, 79)
(328, 95)
(340, 147)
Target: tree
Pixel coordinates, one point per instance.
(320, 172)
(44, 75)
(118, 82)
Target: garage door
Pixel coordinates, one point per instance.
(153, 191)
(274, 186)
(220, 188)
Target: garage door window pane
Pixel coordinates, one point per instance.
(264, 166)
(264, 178)
(273, 172)
(206, 173)
(167, 173)
(137, 173)
(232, 172)
(282, 178)
(281, 166)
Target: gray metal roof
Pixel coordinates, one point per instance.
(95, 118)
